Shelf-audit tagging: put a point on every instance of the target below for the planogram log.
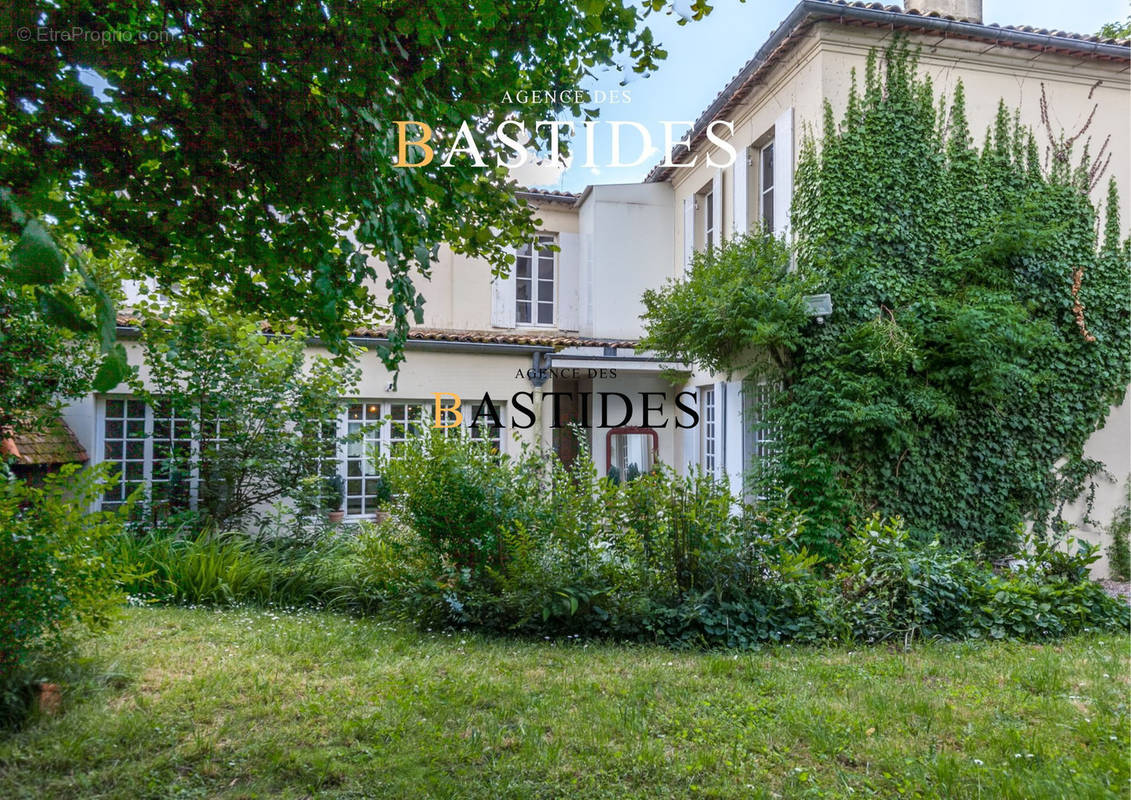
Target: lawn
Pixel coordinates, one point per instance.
(245, 703)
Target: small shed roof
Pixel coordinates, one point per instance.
(53, 444)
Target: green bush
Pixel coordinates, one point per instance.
(459, 495)
(897, 587)
(54, 574)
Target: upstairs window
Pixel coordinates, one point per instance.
(709, 222)
(766, 187)
(535, 277)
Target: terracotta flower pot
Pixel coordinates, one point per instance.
(336, 516)
(48, 698)
(382, 516)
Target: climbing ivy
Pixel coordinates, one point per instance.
(979, 333)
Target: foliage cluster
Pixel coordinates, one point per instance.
(551, 551)
(263, 413)
(55, 574)
(185, 560)
(249, 151)
(560, 551)
(41, 363)
(979, 331)
(1119, 551)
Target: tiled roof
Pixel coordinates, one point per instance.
(534, 339)
(876, 15)
(54, 444)
(557, 341)
(551, 195)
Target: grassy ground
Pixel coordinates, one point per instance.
(244, 703)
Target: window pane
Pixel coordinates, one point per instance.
(522, 267)
(115, 408)
(522, 312)
(768, 211)
(545, 313)
(522, 290)
(767, 166)
(136, 408)
(114, 429)
(546, 268)
(545, 291)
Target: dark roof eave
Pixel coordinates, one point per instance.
(808, 12)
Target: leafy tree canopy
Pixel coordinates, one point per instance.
(979, 334)
(246, 149)
(1117, 30)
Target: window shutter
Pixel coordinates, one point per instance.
(717, 201)
(738, 215)
(732, 436)
(783, 171)
(502, 300)
(688, 231)
(568, 268)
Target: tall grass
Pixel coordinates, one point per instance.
(188, 566)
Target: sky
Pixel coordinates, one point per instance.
(703, 56)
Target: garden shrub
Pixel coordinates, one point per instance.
(894, 586)
(54, 574)
(459, 495)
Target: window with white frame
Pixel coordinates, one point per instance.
(766, 187)
(709, 429)
(153, 447)
(535, 277)
(125, 443)
(376, 427)
(365, 423)
(761, 437)
(710, 224)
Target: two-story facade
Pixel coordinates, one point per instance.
(562, 326)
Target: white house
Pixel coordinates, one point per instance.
(563, 325)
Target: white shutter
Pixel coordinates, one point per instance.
(733, 432)
(738, 216)
(717, 202)
(569, 265)
(720, 429)
(688, 231)
(502, 300)
(783, 171)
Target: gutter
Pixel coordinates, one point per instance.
(130, 332)
(808, 12)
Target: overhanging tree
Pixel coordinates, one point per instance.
(980, 332)
(246, 149)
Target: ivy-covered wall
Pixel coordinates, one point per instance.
(980, 326)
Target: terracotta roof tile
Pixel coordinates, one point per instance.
(54, 444)
(557, 341)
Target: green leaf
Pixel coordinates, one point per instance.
(60, 310)
(114, 369)
(35, 258)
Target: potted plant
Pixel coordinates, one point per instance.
(383, 493)
(333, 497)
